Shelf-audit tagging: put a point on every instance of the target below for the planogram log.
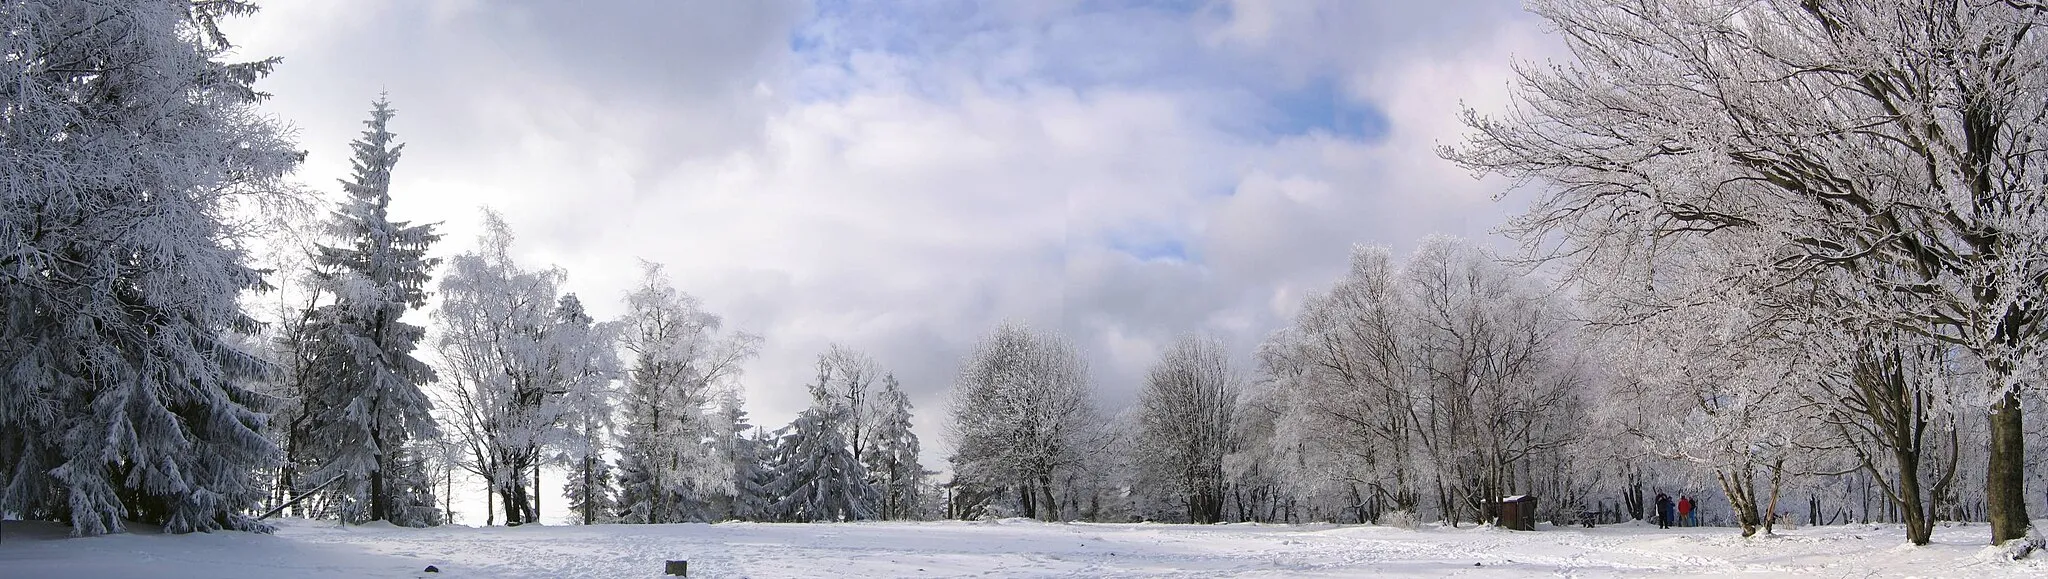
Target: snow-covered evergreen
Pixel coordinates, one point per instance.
(892, 456)
(127, 149)
(745, 448)
(363, 396)
(816, 476)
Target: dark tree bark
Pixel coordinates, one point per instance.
(2005, 483)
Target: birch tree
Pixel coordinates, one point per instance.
(669, 469)
(490, 322)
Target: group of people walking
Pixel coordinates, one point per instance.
(1681, 512)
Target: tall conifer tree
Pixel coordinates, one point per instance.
(365, 397)
(126, 148)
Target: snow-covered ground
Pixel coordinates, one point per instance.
(1008, 548)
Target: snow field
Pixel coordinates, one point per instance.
(1005, 548)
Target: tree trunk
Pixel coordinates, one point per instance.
(1741, 497)
(1771, 508)
(2005, 483)
(1919, 530)
(536, 493)
(490, 510)
(288, 483)
(508, 497)
(1027, 497)
(589, 491)
(377, 498)
(448, 494)
(1048, 503)
(1633, 494)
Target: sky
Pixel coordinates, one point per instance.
(901, 177)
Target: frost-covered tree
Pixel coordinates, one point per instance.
(1724, 402)
(1184, 422)
(1423, 385)
(528, 371)
(1345, 386)
(363, 392)
(876, 425)
(293, 353)
(849, 378)
(586, 366)
(1023, 422)
(892, 456)
(1886, 149)
(669, 469)
(815, 476)
(1896, 410)
(1494, 358)
(746, 448)
(128, 151)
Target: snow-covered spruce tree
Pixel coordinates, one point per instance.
(586, 361)
(1888, 147)
(1184, 422)
(1023, 422)
(127, 150)
(746, 449)
(891, 459)
(815, 476)
(668, 469)
(363, 392)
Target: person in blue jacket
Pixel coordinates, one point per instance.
(1664, 511)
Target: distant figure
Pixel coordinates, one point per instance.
(1685, 505)
(1663, 511)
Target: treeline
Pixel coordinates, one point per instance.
(645, 412)
(1430, 387)
(1795, 274)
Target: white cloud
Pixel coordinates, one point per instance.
(908, 181)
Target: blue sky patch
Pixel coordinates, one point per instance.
(1323, 106)
(1152, 248)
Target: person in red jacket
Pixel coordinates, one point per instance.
(1685, 512)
